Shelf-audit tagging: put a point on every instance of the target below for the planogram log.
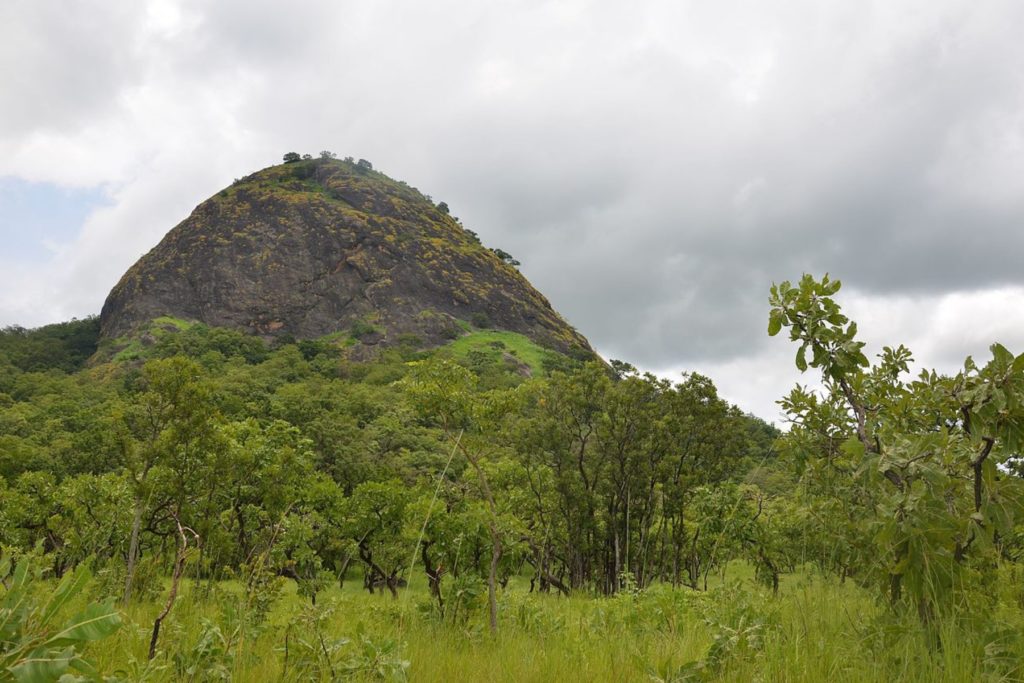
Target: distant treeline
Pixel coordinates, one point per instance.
(62, 346)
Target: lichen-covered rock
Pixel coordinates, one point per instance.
(322, 246)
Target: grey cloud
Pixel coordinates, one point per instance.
(62, 64)
(654, 166)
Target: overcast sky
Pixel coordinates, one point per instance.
(654, 165)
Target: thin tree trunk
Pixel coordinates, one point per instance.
(626, 563)
(496, 548)
(179, 569)
(492, 591)
(133, 550)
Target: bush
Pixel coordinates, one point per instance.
(410, 340)
(450, 331)
(361, 329)
(506, 257)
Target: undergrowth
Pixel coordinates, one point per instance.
(815, 630)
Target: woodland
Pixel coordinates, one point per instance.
(204, 506)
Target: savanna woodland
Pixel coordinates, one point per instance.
(193, 502)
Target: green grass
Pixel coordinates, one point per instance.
(814, 630)
(515, 344)
(342, 338)
(178, 323)
(131, 348)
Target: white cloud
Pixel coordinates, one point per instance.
(655, 166)
(940, 330)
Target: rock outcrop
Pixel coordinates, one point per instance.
(322, 246)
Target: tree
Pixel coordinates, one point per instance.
(376, 514)
(444, 391)
(622, 369)
(364, 165)
(169, 430)
(506, 257)
(920, 462)
(292, 157)
(328, 155)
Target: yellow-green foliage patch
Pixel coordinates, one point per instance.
(514, 343)
(170, 320)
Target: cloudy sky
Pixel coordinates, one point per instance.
(654, 165)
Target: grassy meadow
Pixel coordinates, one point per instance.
(814, 630)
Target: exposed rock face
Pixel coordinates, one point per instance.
(323, 246)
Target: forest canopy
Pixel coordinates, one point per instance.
(488, 469)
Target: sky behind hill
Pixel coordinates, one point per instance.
(654, 165)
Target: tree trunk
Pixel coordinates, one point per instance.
(496, 549)
(179, 569)
(492, 590)
(133, 550)
(433, 575)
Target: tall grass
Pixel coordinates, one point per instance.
(815, 630)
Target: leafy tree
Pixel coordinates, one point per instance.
(91, 515)
(376, 514)
(169, 432)
(292, 157)
(269, 467)
(62, 346)
(506, 257)
(444, 391)
(622, 369)
(921, 462)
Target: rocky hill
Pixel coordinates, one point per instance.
(320, 246)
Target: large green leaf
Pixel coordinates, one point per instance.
(43, 665)
(70, 586)
(93, 623)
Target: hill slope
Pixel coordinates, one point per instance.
(322, 246)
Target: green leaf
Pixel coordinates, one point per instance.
(20, 576)
(1018, 364)
(801, 361)
(1001, 354)
(69, 587)
(43, 665)
(774, 324)
(83, 666)
(93, 623)
(853, 448)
